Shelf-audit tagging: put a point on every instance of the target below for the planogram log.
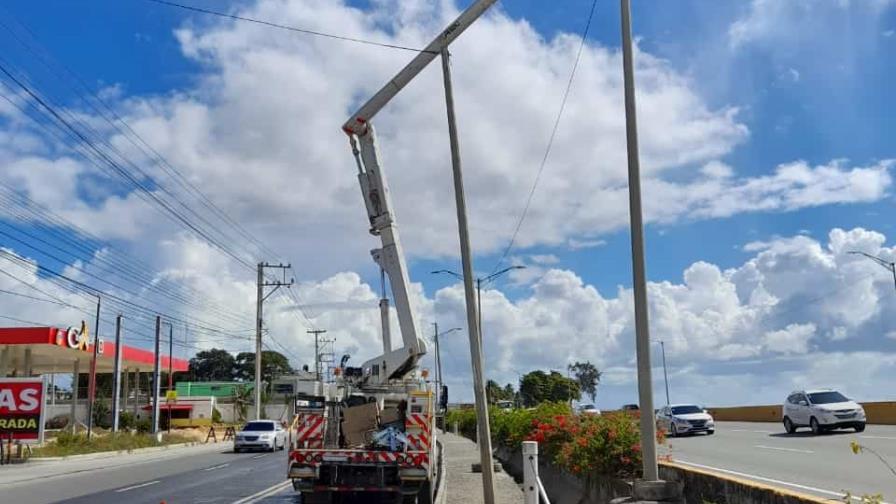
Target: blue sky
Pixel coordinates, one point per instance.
(755, 84)
(816, 119)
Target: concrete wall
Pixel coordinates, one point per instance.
(883, 412)
(706, 486)
(698, 485)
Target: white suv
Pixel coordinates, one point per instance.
(822, 410)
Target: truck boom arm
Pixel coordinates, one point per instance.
(394, 364)
(357, 123)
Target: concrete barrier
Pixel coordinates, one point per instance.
(699, 486)
(708, 486)
(880, 412)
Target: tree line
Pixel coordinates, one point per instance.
(536, 387)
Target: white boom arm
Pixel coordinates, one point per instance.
(357, 123)
(394, 364)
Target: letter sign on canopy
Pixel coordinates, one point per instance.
(22, 408)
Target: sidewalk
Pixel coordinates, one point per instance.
(464, 486)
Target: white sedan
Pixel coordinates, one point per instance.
(679, 419)
(265, 434)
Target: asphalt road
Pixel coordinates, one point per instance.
(205, 475)
(819, 465)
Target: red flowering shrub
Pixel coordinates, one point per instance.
(607, 444)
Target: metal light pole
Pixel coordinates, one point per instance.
(665, 374)
(891, 266)
(485, 445)
(436, 335)
(170, 368)
(156, 375)
(91, 385)
(639, 273)
(116, 375)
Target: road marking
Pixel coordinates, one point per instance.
(261, 456)
(215, 467)
(768, 480)
(125, 489)
(878, 437)
(750, 430)
(783, 449)
(264, 493)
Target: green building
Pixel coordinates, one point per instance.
(213, 389)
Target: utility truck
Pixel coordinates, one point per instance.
(372, 431)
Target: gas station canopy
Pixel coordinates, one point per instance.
(55, 350)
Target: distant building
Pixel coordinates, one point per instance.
(211, 389)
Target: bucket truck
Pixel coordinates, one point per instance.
(373, 430)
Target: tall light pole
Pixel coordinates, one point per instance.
(891, 266)
(665, 375)
(170, 368)
(480, 281)
(436, 335)
(639, 270)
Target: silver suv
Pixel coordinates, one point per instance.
(822, 410)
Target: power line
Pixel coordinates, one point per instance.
(290, 28)
(550, 145)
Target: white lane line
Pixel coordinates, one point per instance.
(878, 437)
(751, 430)
(782, 449)
(264, 493)
(263, 455)
(125, 489)
(768, 480)
(212, 468)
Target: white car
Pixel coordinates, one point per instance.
(264, 434)
(678, 419)
(588, 409)
(822, 410)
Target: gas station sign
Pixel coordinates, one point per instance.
(22, 408)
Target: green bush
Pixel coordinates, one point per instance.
(143, 425)
(216, 416)
(126, 420)
(101, 413)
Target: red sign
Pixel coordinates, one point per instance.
(22, 408)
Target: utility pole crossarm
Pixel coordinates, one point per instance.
(357, 123)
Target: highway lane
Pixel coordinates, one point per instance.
(820, 465)
(205, 475)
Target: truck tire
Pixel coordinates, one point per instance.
(425, 494)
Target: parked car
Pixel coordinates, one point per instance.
(265, 434)
(678, 419)
(504, 405)
(588, 409)
(822, 410)
(630, 407)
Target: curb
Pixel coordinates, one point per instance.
(95, 455)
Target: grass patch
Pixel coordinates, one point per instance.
(76, 444)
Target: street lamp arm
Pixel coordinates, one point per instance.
(878, 260)
(447, 272)
(499, 273)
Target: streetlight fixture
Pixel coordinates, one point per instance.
(665, 375)
(480, 281)
(891, 266)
